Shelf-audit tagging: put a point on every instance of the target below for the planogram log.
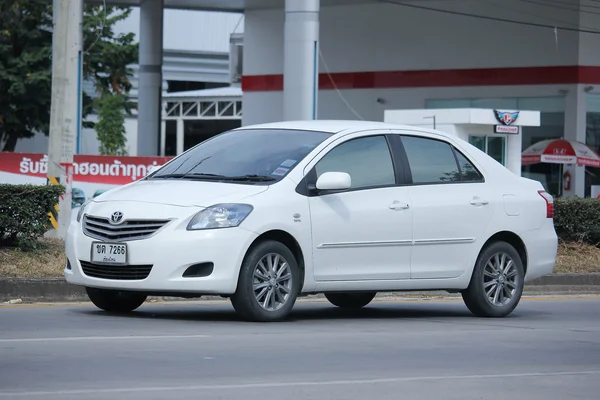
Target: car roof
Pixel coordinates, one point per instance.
(337, 126)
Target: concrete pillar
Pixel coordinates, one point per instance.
(163, 137)
(514, 148)
(575, 126)
(150, 77)
(301, 57)
(179, 137)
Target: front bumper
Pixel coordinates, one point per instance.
(170, 252)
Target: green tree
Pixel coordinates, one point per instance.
(25, 69)
(25, 64)
(110, 126)
(108, 56)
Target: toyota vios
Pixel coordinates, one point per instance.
(264, 214)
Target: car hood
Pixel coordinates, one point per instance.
(183, 193)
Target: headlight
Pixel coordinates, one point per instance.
(220, 216)
(82, 210)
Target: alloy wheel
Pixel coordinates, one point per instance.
(272, 282)
(500, 279)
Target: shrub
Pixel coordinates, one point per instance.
(24, 213)
(577, 220)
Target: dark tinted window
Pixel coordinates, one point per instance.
(367, 160)
(431, 161)
(468, 171)
(270, 153)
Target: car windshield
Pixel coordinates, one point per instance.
(252, 155)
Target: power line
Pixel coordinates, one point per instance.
(567, 3)
(488, 18)
(342, 97)
(557, 7)
(238, 23)
(491, 2)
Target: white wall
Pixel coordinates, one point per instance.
(36, 144)
(191, 30)
(89, 141)
(385, 37)
(373, 37)
(260, 107)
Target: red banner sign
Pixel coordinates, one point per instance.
(111, 170)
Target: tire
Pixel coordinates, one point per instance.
(114, 300)
(350, 300)
(486, 278)
(273, 298)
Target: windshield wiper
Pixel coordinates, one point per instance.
(216, 177)
(250, 178)
(189, 175)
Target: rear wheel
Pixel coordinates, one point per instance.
(268, 284)
(350, 300)
(497, 282)
(115, 300)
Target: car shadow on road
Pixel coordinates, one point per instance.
(224, 312)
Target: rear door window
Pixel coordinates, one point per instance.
(434, 161)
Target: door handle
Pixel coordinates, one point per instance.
(398, 206)
(479, 202)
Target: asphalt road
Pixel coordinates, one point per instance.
(548, 349)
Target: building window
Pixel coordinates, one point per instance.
(494, 146)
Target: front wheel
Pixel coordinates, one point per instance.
(268, 283)
(350, 300)
(115, 300)
(497, 282)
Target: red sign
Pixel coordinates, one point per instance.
(111, 170)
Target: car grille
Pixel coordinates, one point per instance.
(100, 228)
(116, 272)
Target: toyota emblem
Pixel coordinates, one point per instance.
(116, 217)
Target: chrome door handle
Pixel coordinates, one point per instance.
(479, 202)
(398, 206)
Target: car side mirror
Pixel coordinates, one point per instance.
(334, 181)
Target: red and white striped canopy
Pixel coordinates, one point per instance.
(560, 151)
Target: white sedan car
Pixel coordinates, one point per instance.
(266, 213)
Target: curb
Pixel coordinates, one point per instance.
(567, 279)
(58, 290)
(40, 290)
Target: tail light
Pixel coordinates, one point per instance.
(549, 203)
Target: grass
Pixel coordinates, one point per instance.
(46, 262)
(49, 260)
(577, 258)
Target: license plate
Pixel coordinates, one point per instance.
(109, 253)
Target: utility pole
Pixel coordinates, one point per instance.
(64, 110)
